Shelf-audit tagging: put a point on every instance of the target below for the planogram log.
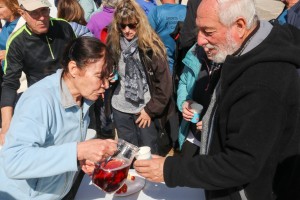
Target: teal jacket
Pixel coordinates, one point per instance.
(39, 158)
(186, 87)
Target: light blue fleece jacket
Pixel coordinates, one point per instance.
(186, 87)
(89, 7)
(39, 158)
(80, 30)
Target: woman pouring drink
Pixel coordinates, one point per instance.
(46, 139)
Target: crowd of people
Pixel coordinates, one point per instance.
(133, 70)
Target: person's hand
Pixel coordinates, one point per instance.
(2, 55)
(187, 113)
(143, 120)
(152, 170)
(96, 150)
(111, 78)
(199, 126)
(87, 166)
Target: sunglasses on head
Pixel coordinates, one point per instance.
(131, 25)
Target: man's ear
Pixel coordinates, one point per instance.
(73, 69)
(241, 27)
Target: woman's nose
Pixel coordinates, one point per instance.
(127, 29)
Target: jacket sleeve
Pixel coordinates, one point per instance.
(255, 123)
(160, 86)
(89, 7)
(26, 152)
(12, 73)
(93, 27)
(182, 91)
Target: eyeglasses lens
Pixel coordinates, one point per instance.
(36, 14)
(131, 26)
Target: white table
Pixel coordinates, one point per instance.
(150, 191)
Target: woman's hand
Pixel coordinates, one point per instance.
(143, 120)
(187, 113)
(199, 126)
(87, 166)
(113, 77)
(96, 150)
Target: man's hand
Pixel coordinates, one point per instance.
(151, 169)
(87, 166)
(96, 150)
(143, 120)
(187, 113)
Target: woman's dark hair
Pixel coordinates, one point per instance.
(85, 50)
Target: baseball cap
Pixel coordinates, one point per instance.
(31, 5)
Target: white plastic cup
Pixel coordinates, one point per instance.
(196, 108)
(144, 153)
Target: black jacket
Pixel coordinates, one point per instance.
(161, 105)
(255, 146)
(37, 55)
(188, 33)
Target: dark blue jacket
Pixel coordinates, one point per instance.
(293, 15)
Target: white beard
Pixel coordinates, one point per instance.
(223, 51)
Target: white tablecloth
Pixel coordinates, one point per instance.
(150, 191)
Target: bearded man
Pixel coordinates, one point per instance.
(250, 137)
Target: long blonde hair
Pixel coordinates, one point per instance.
(129, 11)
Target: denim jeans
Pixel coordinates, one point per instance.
(129, 131)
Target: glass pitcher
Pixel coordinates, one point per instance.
(111, 174)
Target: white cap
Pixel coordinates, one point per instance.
(31, 5)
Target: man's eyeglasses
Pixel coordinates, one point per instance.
(131, 25)
(37, 13)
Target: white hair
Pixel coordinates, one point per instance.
(230, 10)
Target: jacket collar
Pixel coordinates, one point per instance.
(67, 100)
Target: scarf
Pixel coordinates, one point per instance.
(135, 77)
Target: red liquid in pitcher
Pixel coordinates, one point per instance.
(111, 176)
